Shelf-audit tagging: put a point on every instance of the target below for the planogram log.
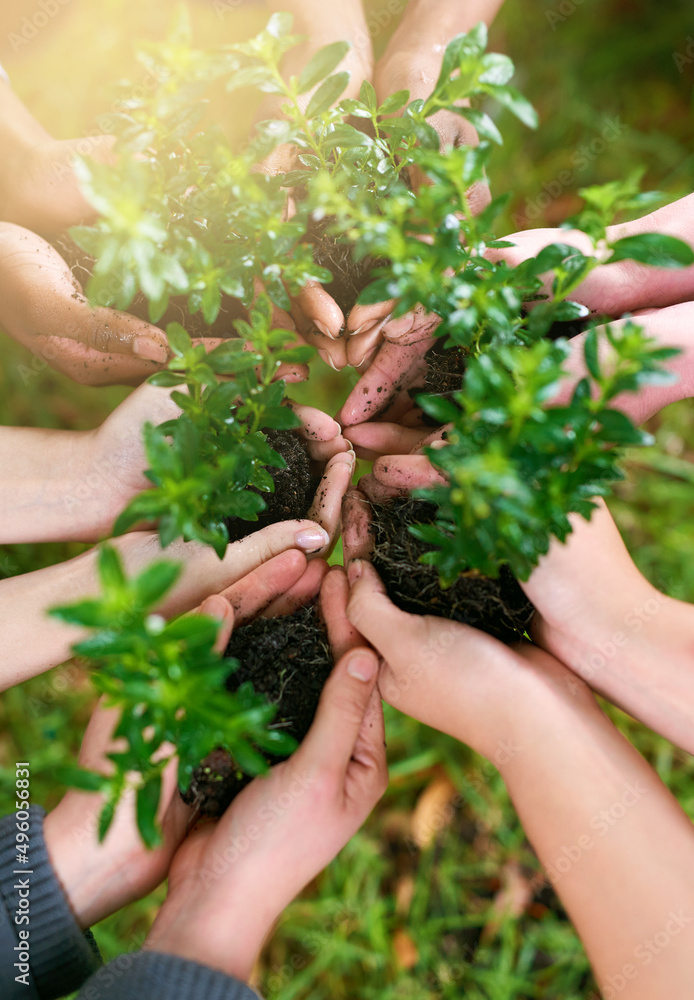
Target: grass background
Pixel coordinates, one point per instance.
(465, 914)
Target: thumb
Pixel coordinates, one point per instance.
(389, 630)
(330, 742)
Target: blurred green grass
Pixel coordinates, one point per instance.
(390, 920)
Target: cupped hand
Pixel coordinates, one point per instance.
(42, 307)
(230, 880)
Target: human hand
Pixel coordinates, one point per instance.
(101, 878)
(229, 881)
(613, 289)
(38, 186)
(34, 643)
(42, 307)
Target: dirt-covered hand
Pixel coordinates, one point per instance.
(42, 307)
(230, 880)
(101, 878)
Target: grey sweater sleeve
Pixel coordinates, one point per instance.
(156, 976)
(43, 952)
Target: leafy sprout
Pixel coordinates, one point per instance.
(167, 680)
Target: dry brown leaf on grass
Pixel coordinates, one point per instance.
(405, 949)
(434, 811)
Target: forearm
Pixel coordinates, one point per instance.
(606, 829)
(50, 488)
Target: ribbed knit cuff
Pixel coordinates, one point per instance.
(156, 976)
(60, 956)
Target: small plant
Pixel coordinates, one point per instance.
(202, 463)
(168, 682)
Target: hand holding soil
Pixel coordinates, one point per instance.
(317, 799)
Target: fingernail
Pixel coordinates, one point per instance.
(364, 328)
(150, 349)
(363, 666)
(215, 607)
(354, 570)
(399, 327)
(311, 539)
(324, 329)
(328, 360)
(345, 458)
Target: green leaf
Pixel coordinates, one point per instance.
(327, 94)
(590, 353)
(321, 65)
(148, 796)
(154, 582)
(179, 341)
(166, 379)
(394, 103)
(655, 249)
(111, 572)
(78, 777)
(367, 96)
(518, 105)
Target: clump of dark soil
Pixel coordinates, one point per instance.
(295, 486)
(498, 607)
(82, 266)
(350, 276)
(288, 660)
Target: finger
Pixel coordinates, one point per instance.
(403, 404)
(392, 632)
(203, 572)
(357, 539)
(315, 424)
(327, 505)
(408, 329)
(304, 591)
(323, 451)
(393, 369)
(369, 753)
(375, 491)
(361, 318)
(331, 740)
(87, 366)
(257, 591)
(333, 605)
(407, 472)
(321, 310)
(361, 345)
(218, 607)
(383, 438)
(291, 373)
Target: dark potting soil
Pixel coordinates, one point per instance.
(295, 486)
(498, 607)
(350, 276)
(287, 659)
(82, 265)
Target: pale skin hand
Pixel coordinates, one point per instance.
(34, 643)
(42, 307)
(38, 187)
(541, 727)
(71, 486)
(613, 289)
(101, 878)
(219, 911)
(595, 612)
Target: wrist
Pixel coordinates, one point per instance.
(228, 940)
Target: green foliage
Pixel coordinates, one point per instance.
(167, 680)
(202, 463)
(516, 467)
